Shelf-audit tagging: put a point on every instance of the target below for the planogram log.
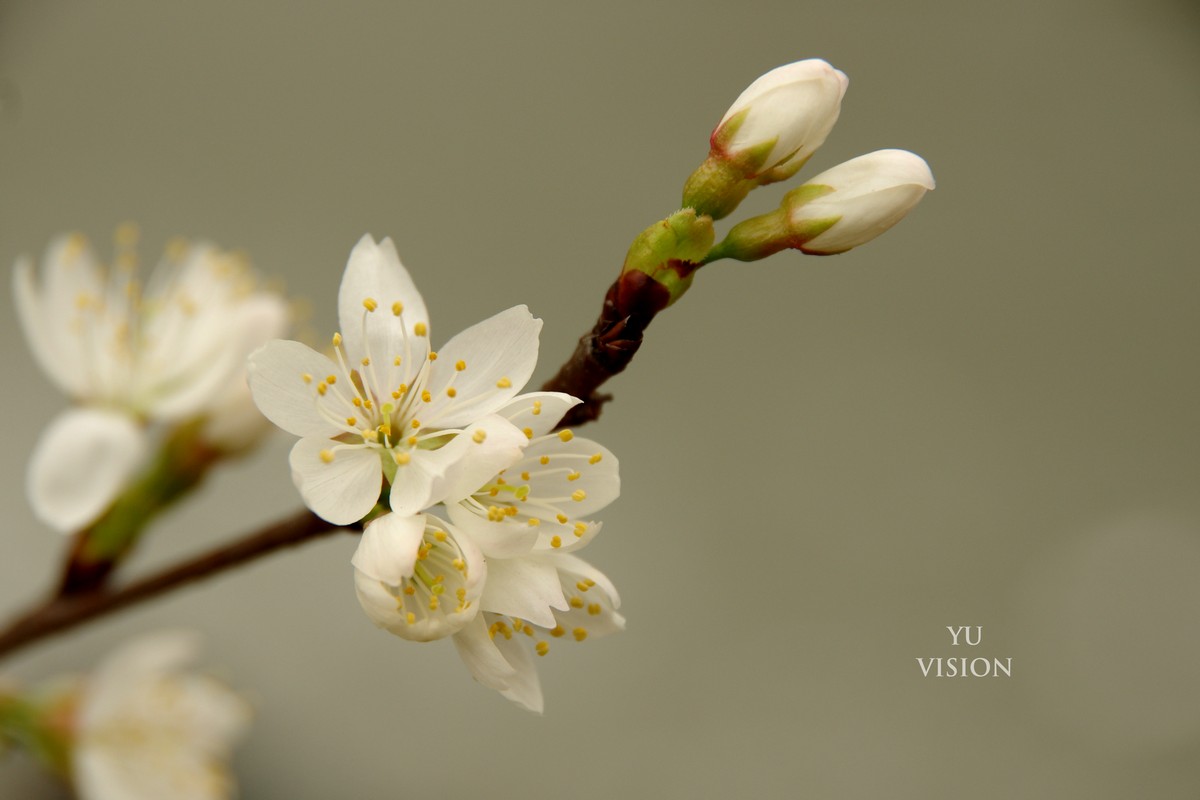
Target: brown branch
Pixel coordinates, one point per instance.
(629, 306)
(61, 613)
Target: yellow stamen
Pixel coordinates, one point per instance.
(327, 456)
(369, 303)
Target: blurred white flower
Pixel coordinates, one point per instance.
(146, 730)
(129, 354)
(387, 406)
(866, 196)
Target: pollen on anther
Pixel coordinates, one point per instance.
(504, 383)
(409, 590)
(534, 522)
(578, 495)
(331, 379)
(351, 421)
(562, 519)
(433, 355)
(580, 634)
(583, 586)
(557, 631)
(322, 389)
(572, 476)
(460, 365)
(528, 433)
(397, 308)
(544, 460)
(440, 535)
(366, 362)
(479, 436)
(369, 303)
(419, 329)
(593, 609)
(416, 424)
(542, 648)
(357, 402)
(307, 378)
(575, 602)
(595, 459)
(411, 617)
(337, 340)
(556, 541)
(580, 529)
(459, 564)
(396, 361)
(403, 458)
(451, 392)
(426, 396)
(524, 476)
(566, 436)
(327, 456)
(537, 407)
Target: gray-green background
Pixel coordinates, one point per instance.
(987, 417)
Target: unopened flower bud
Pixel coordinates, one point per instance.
(856, 201)
(768, 133)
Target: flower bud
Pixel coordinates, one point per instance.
(854, 202)
(661, 261)
(768, 133)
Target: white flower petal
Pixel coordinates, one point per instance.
(481, 656)
(276, 373)
(473, 457)
(387, 550)
(592, 597)
(61, 366)
(498, 356)
(374, 272)
(126, 670)
(342, 489)
(523, 687)
(418, 482)
(598, 482)
(497, 539)
(538, 412)
(525, 588)
(80, 464)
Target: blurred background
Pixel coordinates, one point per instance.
(986, 417)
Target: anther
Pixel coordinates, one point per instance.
(479, 436)
(594, 609)
(576, 602)
(369, 304)
(566, 435)
(351, 421)
(327, 456)
(331, 379)
(366, 362)
(542, 648)
(557, 631)
(440, 536)
(524, 476)
(419, 329)
(578, 495)
(544, 460)
(426, 396)
(528, 433)
(504, 383)
(562, 519)
(580, 634)
(402, 458)
(411, 617)
(307, 378)
(572, 476)
(537, 407)
(337, 340)
(396, 361)
(534, 522)
(460, 365)
(580, 529)
(451, 392)
(596, 458)
(416, 424)
(433, 355)
(582, 586)
(556, 541)
(397, 308)
(321, 389)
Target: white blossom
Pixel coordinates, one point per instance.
(147, 730)
(386, 406)
(129, 354)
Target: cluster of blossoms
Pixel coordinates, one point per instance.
(474, 504)
(169, 351)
